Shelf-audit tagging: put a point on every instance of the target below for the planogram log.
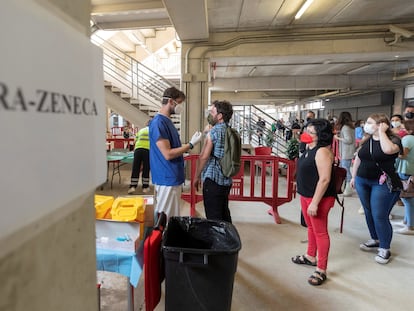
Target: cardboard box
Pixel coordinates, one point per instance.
(117, 235)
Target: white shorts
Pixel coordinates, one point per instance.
(168, 200)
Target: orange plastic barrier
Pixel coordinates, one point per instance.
(245, 188)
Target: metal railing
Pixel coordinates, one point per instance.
(245, 119)
(143, 85)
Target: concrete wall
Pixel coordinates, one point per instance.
(50, 265)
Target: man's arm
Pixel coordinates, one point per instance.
(171, 153)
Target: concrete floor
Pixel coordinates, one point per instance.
(266, 279)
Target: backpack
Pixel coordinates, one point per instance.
(231, 161)
(338, 180)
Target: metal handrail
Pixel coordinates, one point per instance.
(245, 122)
(132, 77)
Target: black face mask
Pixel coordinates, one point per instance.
(308, 119)
(409, 115)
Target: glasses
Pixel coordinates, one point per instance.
(310, 132)
(176, 103)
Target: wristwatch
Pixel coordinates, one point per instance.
(191, 146)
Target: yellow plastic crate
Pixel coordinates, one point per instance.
(103, 205)
(128, 209)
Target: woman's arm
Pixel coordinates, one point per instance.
(387, 146)
(406, 151)
(324, 160)
(355, 166)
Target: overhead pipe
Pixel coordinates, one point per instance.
(360, 32)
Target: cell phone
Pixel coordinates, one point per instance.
(382, 178)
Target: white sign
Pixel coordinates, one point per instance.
(52, 114)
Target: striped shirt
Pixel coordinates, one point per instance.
(212, 169)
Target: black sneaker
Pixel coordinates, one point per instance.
(383, 256)
(369, 245)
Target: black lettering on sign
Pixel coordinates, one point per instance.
(46, 102)
(3, 95)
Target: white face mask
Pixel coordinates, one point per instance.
(369, 128)
(395, 123)
(178, 109)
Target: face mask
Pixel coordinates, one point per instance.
(395, 123)
(369, 128)
(306, 138)
(211, 120)
(308, 119)
(178, 109)
(409, 115)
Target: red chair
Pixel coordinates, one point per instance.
(262, 164)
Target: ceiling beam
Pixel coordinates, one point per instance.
(189, 18)
(126, 6)
(163, 22)
(323, 82)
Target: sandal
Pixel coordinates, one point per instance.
(302, 260)
(317, 278)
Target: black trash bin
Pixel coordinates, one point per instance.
(200, 262)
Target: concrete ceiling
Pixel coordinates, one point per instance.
(339, 47)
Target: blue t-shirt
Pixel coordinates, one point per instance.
(359, 132)
(165, 172)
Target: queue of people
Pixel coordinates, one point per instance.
(377, 154)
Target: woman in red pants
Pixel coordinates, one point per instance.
(313, 177)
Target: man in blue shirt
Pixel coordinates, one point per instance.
(166, 154)
(216, 187)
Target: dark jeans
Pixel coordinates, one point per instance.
(141, 156)
(377, 201)
(216, 201)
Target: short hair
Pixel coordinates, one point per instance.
(409, 103)
(398, 116)
(409, 125)
(172, 93)
(323, 130)
(312, 113)
(225, 108)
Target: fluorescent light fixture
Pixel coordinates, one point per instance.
(251, 72)
(328, 94)
(407, 76)
(360, 68)
(304, 7)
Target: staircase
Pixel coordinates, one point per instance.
(244, 120)
(132, 89)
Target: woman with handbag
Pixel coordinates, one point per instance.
(405, 169)
(377, 183)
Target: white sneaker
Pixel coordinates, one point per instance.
(398, 223)
(405, 230)
(369, 245)
(383, 256)
(361, 211)
(131, 190)
(145, 190)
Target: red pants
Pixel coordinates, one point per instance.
(318, 237)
